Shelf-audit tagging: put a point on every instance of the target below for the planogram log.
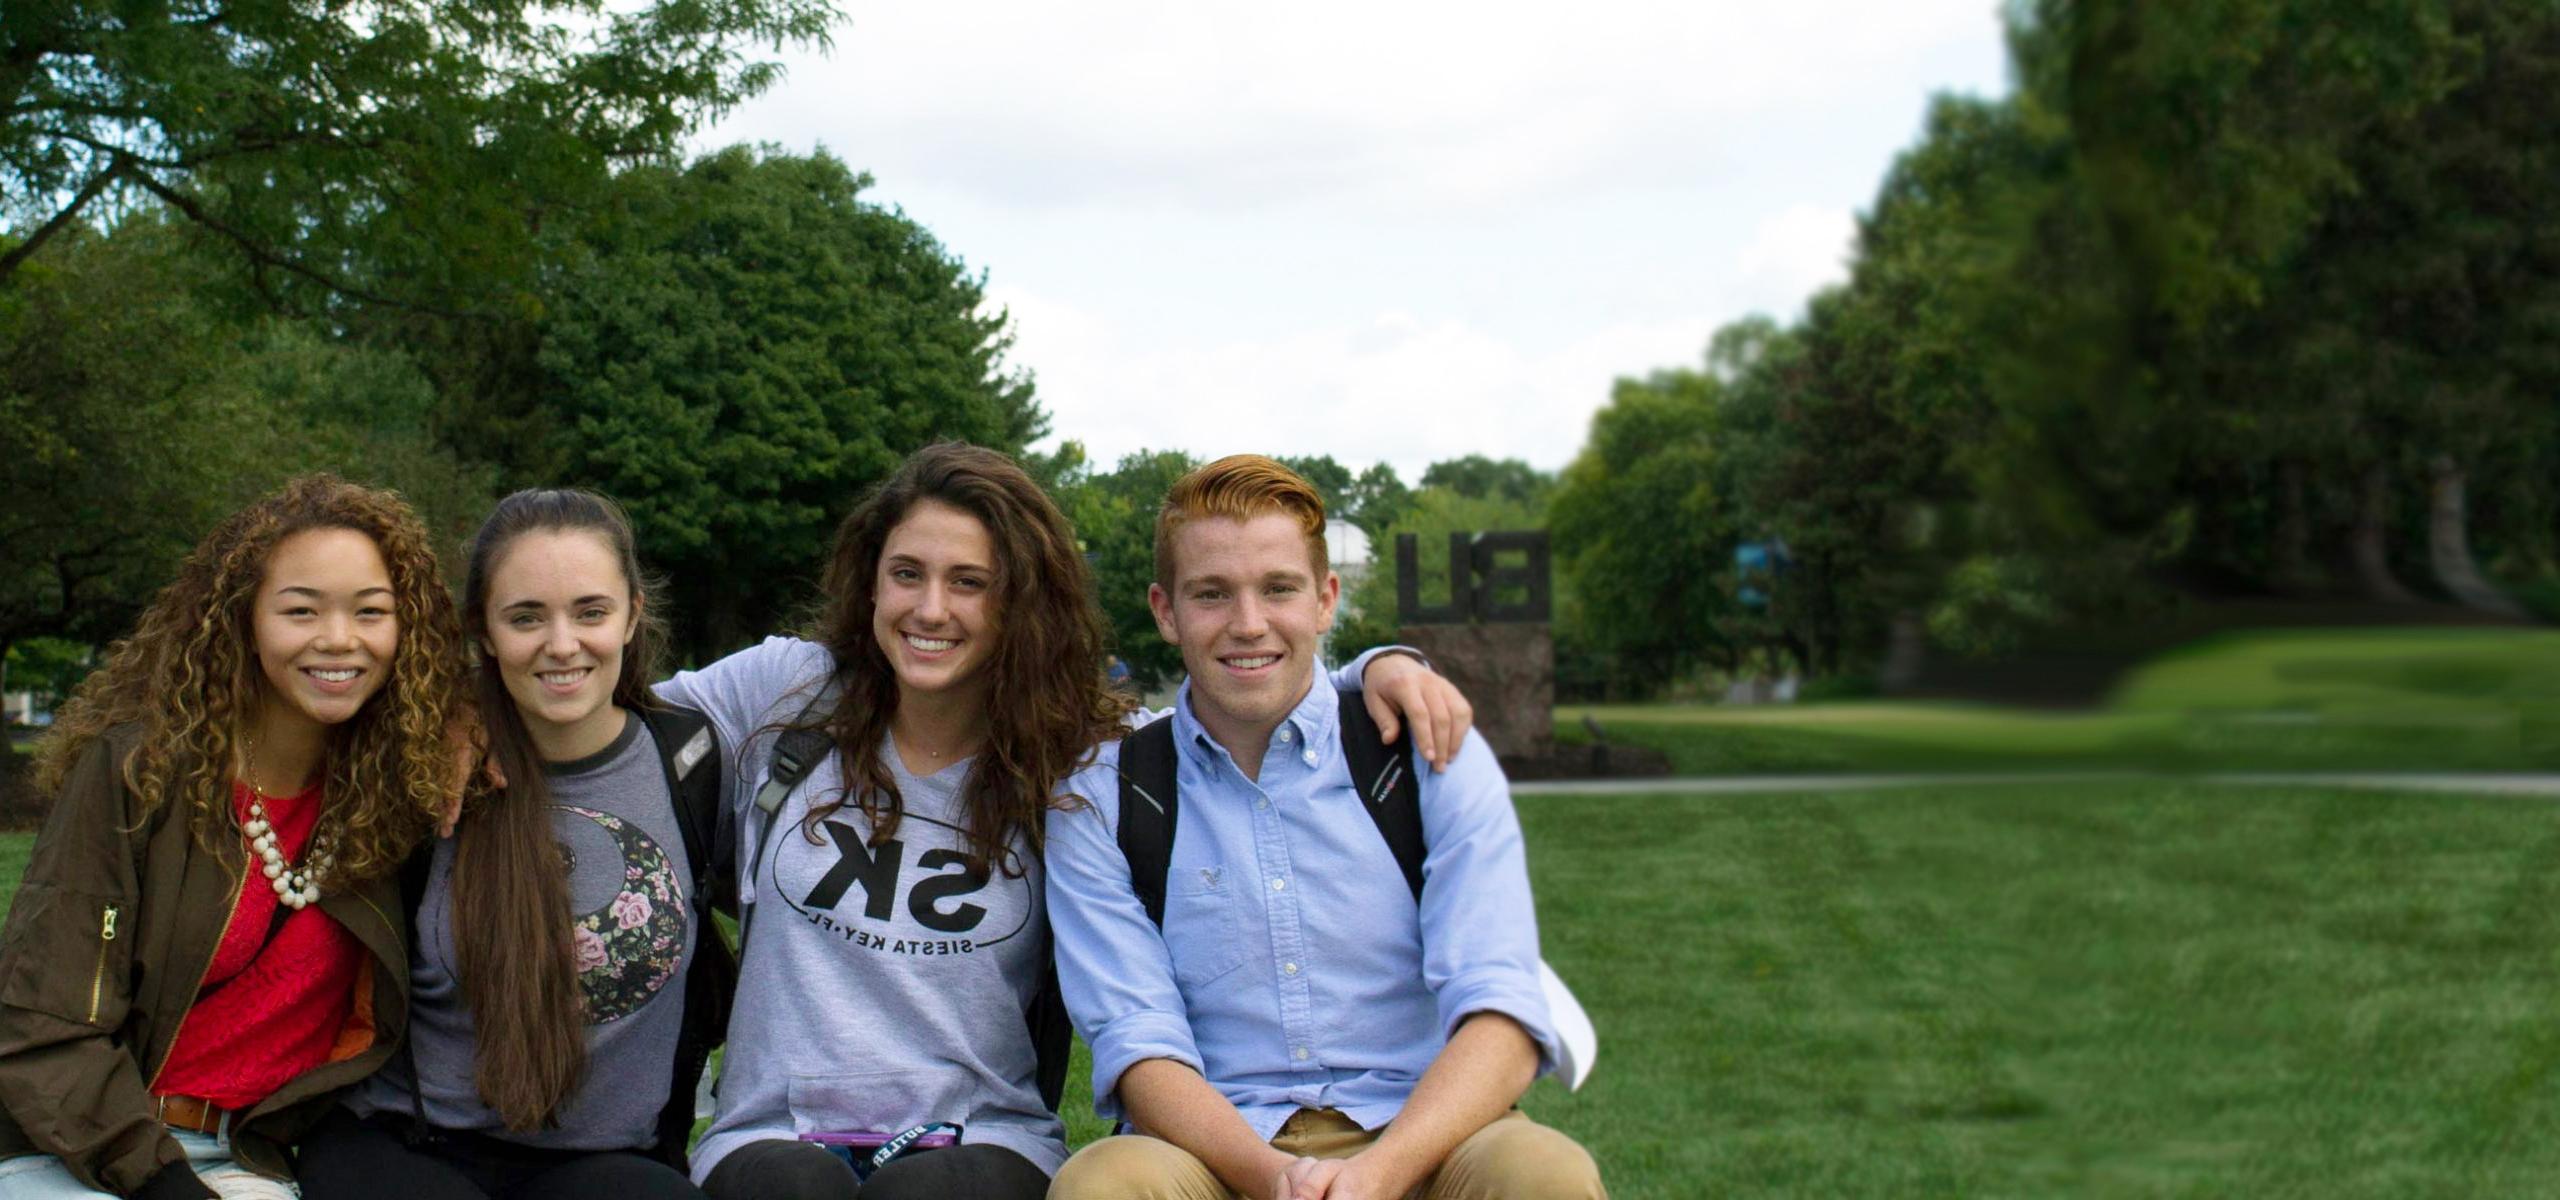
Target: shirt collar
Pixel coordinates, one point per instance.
(1313, 721)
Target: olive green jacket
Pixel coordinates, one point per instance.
(113, 928)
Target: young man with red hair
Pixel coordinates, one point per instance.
(1304, 1022)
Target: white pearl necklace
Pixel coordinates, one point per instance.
(295, 886)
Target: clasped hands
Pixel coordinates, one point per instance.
(1362, 1176)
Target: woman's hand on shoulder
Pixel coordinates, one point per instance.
(1401, 689)
(468, 737)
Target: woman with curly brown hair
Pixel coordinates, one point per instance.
(890, 886)
(234, 790)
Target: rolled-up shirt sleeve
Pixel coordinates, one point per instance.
(1112, 962)
(1479, 924)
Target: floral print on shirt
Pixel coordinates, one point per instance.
(629, 949)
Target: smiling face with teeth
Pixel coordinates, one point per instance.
(1249, 611)
(560, 614)
(933, 605)
(325, 627)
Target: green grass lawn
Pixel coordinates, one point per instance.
(1702, 739)
(2394, 699)
(2132, 990)
(2136, 989)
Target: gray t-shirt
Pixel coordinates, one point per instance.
(882, 987)
(630, 893)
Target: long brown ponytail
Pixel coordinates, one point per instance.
(511, 917)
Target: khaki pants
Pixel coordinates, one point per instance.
(1513, 1158)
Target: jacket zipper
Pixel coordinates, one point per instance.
(98, 982)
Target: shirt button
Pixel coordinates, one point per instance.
(1263, 804)
(1286, 736)
(1309, 758)
(1279, 885)
(1299, 1053)
(1288, 968)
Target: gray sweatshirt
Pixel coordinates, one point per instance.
(881, 987)
(632, 909)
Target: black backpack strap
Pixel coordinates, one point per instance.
(1389, 789)
(1149, 805)
(1150, 802)
(797, 750)
(689, 754)
(413, 885)
(414, 871)
(1052, 1035)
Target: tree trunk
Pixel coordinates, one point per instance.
(2449, 542)
(1906, 652)
(2289, 566)
(2370, 545)
(1794, 648)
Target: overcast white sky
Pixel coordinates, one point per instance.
(1403, 230)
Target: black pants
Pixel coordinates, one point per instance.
(348, 1158)
(779, 1169)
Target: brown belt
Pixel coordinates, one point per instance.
(190, 1113)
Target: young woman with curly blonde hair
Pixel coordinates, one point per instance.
(205, 947)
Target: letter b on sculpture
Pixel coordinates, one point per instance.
(1481, 581)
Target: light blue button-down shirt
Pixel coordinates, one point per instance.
(1294, 969)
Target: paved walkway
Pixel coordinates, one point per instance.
(2502, 784)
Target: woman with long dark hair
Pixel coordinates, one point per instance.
(565, 980)
(234, 790)
(890, 782)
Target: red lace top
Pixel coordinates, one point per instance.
(271, 1007)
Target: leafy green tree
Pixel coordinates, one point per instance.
(124, 431)
(371, 149)
(1644, 525)
(49, 667)
(1371, 499)
(1058, 469)
(1810, 463)
(2240, 294)
(1115, 516)
(737, 357)
(2189, 152)
(2409, 346)
(367, 414)
(1376, 499)
(1483, 478)
(1847, 433)
(2280, 289)
(133, 415)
